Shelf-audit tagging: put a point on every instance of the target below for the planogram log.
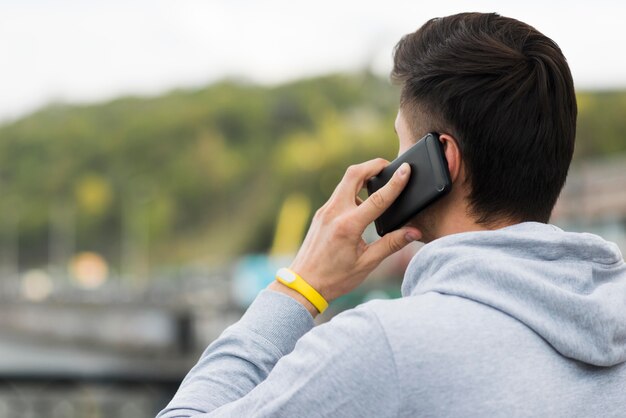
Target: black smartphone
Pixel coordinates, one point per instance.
(429, 181)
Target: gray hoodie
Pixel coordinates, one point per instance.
(525, 321)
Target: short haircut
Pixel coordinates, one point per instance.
(505, 92)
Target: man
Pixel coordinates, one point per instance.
(502, 315)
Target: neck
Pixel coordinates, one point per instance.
(454, 219)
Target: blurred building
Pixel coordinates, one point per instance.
(594, 199)
(114, 351)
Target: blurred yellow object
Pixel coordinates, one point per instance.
(291, 224)
(90, 270)
(94, 194)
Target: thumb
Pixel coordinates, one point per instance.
(391, 243)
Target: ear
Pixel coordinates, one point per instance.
(453, 155)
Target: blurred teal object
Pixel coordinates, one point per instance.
(252, 274)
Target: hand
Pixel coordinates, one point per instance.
(334, 258)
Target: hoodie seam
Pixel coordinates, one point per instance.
(393, 360)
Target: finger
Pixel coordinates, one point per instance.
(379, 201)
(358, 200)
(392, 242)
(356, 175)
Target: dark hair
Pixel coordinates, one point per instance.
(505, 91)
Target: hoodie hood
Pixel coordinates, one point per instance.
(569, 288)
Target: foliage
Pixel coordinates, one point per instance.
(203, 173)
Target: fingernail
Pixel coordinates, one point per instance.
(404, 168)
(411, 236)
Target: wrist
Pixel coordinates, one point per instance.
(311, 280)
(279, 287)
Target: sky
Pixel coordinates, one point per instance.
(90, 51)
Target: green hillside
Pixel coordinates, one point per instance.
(201, 174)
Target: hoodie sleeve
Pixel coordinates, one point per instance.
(341, 368)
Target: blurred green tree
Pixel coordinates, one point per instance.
(206, 171)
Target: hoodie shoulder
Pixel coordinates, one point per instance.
(430, 322)
(453, 353)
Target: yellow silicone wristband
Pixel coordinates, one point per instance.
(292, 280)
